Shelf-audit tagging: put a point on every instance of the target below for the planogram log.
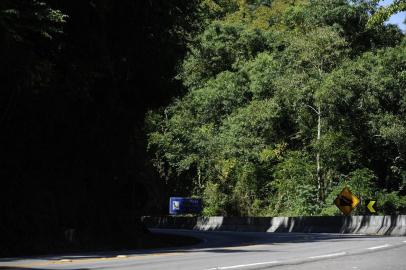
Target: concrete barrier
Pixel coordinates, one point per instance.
(374, 225)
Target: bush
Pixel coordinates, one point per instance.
(214, 200)
(391, 203)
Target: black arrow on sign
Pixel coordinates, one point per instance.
(344, 201)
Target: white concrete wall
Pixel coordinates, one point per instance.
(375, 225)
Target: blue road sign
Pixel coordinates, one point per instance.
(181, 205)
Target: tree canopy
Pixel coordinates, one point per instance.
(280, 115)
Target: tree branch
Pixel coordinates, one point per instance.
(311, 107)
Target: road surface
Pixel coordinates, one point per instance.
(245, 251)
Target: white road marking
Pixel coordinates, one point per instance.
(328, 255)
(65, 260)
(378, 247)
(241, 265)
(404, 241)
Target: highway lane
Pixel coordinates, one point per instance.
(238, 250)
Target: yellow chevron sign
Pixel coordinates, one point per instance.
(370, 206)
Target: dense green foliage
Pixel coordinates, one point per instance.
(287, 102)
(383, 13)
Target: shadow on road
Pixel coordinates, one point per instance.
(24, 268)
(217, 240)
(159, 241)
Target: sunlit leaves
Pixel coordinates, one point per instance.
(23, 18)
(247, 128)
(221, 47)
(383, 13)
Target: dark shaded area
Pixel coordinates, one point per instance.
(24, 268)
(74, 171)
(156, 241)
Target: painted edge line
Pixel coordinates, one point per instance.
(242, 265)
(404, 241)
(328, 255)
(378, 247)
(65, 260)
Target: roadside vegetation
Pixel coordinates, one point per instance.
(286, 103)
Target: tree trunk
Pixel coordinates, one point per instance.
(320, 185)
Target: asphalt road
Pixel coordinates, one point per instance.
(237, 250)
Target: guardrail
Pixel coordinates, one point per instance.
(375, 225)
